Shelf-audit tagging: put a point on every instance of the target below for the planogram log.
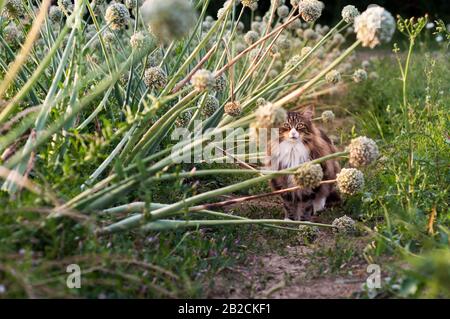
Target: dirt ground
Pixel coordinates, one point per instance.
(276, 276)
(293, 272)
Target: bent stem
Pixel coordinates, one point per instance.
(141, 206)
(180, 206)
(165, 224)
(248, 198)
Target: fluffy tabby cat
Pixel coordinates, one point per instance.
(301, 141)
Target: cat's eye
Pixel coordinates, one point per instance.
(301, 127)
(286, 125)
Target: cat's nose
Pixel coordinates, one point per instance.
(293, 134)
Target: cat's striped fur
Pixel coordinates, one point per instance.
(301, 141)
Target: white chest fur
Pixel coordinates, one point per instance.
(292, 153)
(288, 154)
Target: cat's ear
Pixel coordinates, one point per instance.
(308, 112)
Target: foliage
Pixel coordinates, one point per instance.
(408, 198)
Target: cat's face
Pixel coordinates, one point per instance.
(298, 126)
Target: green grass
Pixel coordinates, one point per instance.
(36, 251)
(401, 199)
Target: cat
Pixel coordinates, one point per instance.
(300, 141)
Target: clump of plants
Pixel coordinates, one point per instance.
(160, 66)
(407, 204)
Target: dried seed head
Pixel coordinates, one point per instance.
(251, 37)
(374, 26)
(155, 78)
(293, 63)
(138, 40)
(256, 26)
(109, 37)
(327, 116)
(310, 10)
(363, 151)
(210, 106)
(203, 80)
(283, 43)
(269, 115)
(349, 13)
(308, 233)
(350, 181)
(240, 47)
(254, 6)
(344, 225)
(55, 14)
(338, 39)
(123, 80)
(273, 74)
(131, 4)
(220, 83)
(310, 35)
(308, 175)
(13, 9)
(254, 54)
(261, 101)
(240, 27)
(283, 11)
(12, 34)
(65, 5)
(117, 16)
(169, 19)
(98, 6)
(324, 30)
(206, 25)
(183, 119)
(294, 25)
(233, 108)
(359, 76)
(320, 53)
(333, 77)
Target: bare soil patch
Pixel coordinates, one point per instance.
(295, 271)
